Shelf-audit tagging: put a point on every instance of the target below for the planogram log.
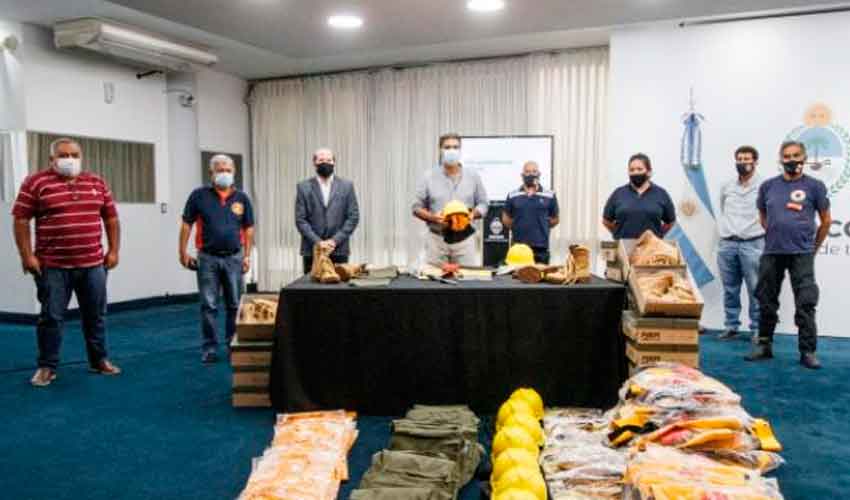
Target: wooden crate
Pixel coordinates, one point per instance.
(651, 308)
(249, 329)
(660, 331)
(246, 354)
(625, 248)
(641, 356)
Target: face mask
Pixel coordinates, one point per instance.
(791, 167)
(325, 170)
(530, 180)
(69, 167)
(638, 180)
(744, 168)
(451, 156)
(224, 180)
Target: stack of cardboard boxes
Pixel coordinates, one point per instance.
(251, 350)
(659, 330)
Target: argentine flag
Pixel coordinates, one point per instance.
(695, 230)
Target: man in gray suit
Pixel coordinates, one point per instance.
(326, 211)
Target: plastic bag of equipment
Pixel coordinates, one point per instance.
(662, 473)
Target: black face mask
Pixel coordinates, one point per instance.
(791, 167)
(638, 180)
(743, 168)
(325, 170)
(530, 180)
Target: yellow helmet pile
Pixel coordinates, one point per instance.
(516, 448)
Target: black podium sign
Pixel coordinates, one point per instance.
(496, 236)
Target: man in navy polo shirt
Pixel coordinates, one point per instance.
(530, 212)
(787, 206)
(224, 220)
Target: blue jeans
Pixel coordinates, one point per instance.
(214, 274)
(739, 261)
(54, 288)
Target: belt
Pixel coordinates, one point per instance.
(221, 253)
(744, 240)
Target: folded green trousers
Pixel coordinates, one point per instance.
(399, 494)
(399, 469)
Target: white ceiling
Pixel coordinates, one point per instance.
(262, 38)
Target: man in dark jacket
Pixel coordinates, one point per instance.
(326, 211)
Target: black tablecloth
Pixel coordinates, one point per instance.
(379, 350)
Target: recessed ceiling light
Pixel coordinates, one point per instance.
(485, 5)
(345, 22)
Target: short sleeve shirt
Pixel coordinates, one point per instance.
(68, 216)
(219, 222)
(634, 213)
(790, 208)
(531, 214)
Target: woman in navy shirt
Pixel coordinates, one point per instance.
(639, 205)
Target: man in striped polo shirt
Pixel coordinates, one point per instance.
(70, 208)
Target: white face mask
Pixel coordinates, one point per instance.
(451, 156)
(223, 180)
(69, 167)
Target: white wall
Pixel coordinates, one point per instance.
(64, 94)
(753, 82)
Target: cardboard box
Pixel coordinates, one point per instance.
(250, 377)
(614, 274)
(641, 356)
(660, 331)
(250, 328)
(651, 308)
(245, 354)
(251, 400)
(608, 250)
(625, 248)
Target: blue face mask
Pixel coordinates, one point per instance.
(223, 180)
(451, 156)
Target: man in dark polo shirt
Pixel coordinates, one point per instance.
(224, 220)
(530, 212)
(787, 206)
(70, 207)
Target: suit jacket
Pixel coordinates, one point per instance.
(316, 222)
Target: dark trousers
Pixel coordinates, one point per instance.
(54, 293)
(541, 255)
(218, 274)
(801, 269)
(336, 259)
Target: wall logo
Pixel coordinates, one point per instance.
(827, 145)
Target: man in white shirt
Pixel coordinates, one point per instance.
(326, 211)
(741, 241)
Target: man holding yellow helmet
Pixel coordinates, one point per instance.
(448, 199)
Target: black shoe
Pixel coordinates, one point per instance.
(760, 352)
(209, 358)
(728, 335)
(810, 361)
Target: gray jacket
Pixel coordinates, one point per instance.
(316, 222)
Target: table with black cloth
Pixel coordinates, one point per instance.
(380, 350)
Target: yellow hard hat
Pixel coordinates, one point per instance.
(510, 458)
(529, 423)
(516, 494)
(520, 254)
(533, 399)
(455, 207)
(513, 437)
(524, 479)
(509, 408)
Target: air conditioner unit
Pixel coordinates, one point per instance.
(134, 46)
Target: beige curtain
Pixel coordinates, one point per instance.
(384, 125)
(7, 172)
(128, 167)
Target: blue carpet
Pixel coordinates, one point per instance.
(165, 429)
